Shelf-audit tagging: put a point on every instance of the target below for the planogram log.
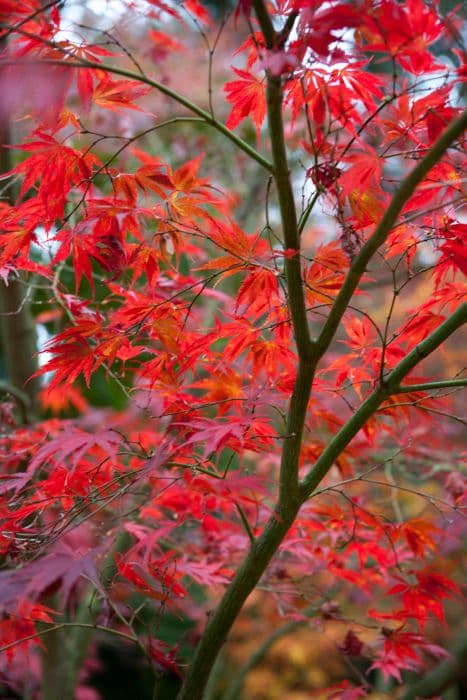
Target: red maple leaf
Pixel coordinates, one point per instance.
(248, 98)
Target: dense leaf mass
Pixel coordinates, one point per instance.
(247, 288)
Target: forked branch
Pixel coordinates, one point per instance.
(266, 546)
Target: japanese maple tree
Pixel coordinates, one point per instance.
(248, 284)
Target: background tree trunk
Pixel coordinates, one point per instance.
(19, 342)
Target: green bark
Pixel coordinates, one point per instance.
(19, 347)
(19, 342)
(291, 493)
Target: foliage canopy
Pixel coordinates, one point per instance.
(248, 278)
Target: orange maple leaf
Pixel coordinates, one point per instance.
(248, 97)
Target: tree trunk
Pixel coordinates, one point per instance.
(19, 348)
(19, 343)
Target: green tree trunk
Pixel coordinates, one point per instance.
(19, 342)
(19, 350)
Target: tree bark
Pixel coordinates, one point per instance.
(19, 342)
(19, 347)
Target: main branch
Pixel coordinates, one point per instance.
(263, 549)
